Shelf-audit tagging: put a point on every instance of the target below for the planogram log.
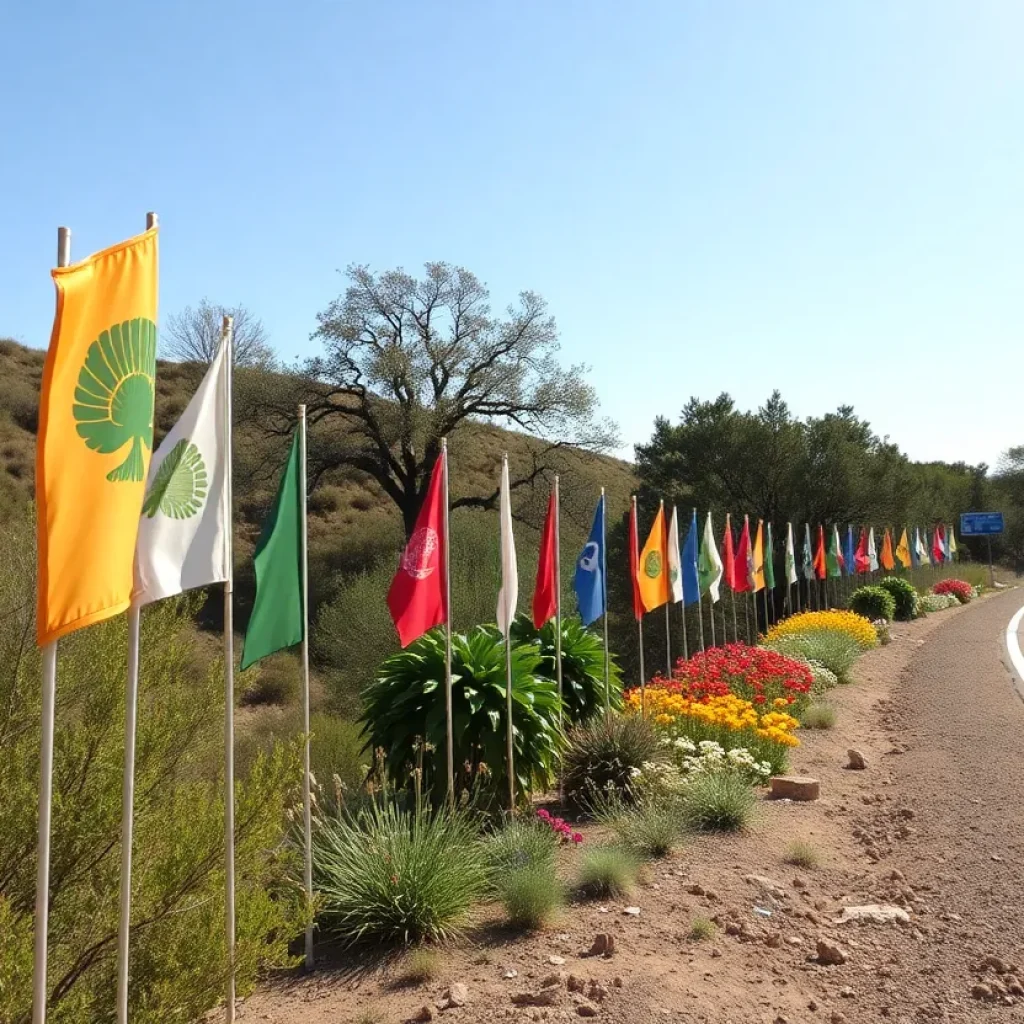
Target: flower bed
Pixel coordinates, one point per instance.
(960, 589)
(850, 624)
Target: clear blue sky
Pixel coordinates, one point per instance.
(824, 197)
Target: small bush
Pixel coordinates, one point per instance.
(836, 651)
(702, 929)
(607, 871)
(723, 802)
(873, 603)
(421, 965)
(927, 603)
(824, 678)
(903, 594)
(531, 896)
(960, 589)
(392, 876)
(336, 749)
(603, 754)
(802, 854)
(518, 844)
(819, 716)
(278, 680)
(647, 826)
(833, 621)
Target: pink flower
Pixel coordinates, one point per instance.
(577, 838)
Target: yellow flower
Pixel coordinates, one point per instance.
(855, 626)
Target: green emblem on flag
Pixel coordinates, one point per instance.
(652, 565)
(181, 483)
(114, 396)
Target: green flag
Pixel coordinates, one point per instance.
(277, 614)
(832, 556)
(769, 560)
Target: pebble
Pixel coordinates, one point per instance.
(855, 759)
(830, 953)
(556, 960)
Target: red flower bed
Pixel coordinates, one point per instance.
(960, 589)
(753, 673)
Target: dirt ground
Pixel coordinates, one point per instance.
(933, 825)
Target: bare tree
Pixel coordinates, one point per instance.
(408, 362)
(193, 335)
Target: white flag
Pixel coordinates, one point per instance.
(182, 533)
(508, 596)
(675, 564)
(709, 563)
(872, 550)
(791, 576)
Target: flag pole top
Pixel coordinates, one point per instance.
(602, 492)
(444, 444)
(63, 246)
(152, 220)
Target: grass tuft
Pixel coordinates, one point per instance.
(802, 854)
(607, 871)
(819, 716)
(531, 896)
(718, 802)
(421, 965)
(702, 929)
(650, 827)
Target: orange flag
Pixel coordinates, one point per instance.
(886, 557)
(757, 576)
(95, 435)
(652, 571)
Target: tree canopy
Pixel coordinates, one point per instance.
(193, 335)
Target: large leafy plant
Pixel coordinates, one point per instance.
(904, 594)
(873, 603)
(404, 715)
(583, 683)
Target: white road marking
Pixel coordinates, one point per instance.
(1013, 644)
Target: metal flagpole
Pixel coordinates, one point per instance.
(49, 695)
(735, 623)
(764, 594)
(449, 732)
(229, 685)
(746, 619)
(686, 645)
(128, 793)
(604, 600)
(640, 622)
(307, 802)
(700, 603)
(558, 624)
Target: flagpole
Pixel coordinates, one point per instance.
(700, 603)
(604, 600)
(307, 801)
(640, 623)
(49, 697)
(449, 730)
(509, 751)
(558, 627)
(228, 329)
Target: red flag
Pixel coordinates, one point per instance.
(861, 560)
(634, 563)
(820, 562)
(417, 598)
(544, 602)
(939, 544)
(741, 564)
(728, 555)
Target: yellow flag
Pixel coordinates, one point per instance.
(95, 435)
(652, 572)
(758, 578)
(903, 550)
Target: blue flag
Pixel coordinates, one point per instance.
(691, 581)
(588, 581)
(915, 554)
(850, 553)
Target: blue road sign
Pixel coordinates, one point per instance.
(975, 524)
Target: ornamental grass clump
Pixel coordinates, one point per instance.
(720, 802)
(960, 589)
(530, 896)
(394, 876)
(904, 594)
(519, 843)
(873, 603)
(856, 627)
(607, 871)
(835, 650)
(651, 825)
(603, 754)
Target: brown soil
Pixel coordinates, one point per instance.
(934, 824)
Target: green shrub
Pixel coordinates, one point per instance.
(702, 929)
(336, 749)
(583, 689)
(531, 896)
(835, 650)
(519, 843)
(407, 702)
(824, 678)
(819, 716)
(719, 802)
(178, 958)
(393, 876)
(607, 871)
(277, 680)
(647, 825)
(873, 603)
(603, 754)
(903, 594)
